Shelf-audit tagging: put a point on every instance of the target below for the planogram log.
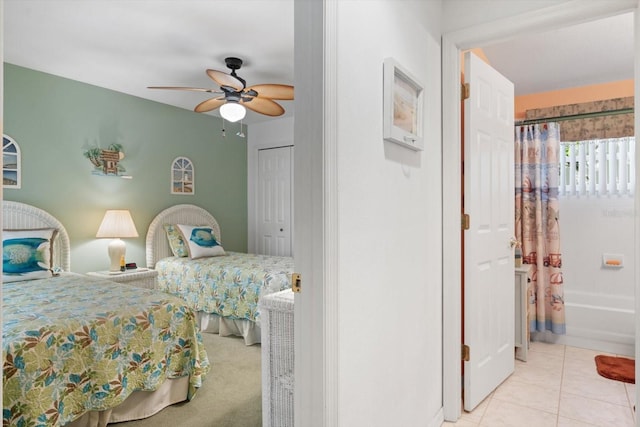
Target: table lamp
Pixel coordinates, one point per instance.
(117, 224)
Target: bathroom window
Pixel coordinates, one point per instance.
(597, 168)
(11, 176)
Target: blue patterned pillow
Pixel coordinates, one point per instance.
(176, 243)
(26, 254)
(201, 242)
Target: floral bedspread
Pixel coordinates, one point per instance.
(228, 285)
(73, 344)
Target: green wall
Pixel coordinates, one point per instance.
(54, 120)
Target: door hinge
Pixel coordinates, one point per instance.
(466, 221)
(465, 91)
(296, 282)
(465, 353)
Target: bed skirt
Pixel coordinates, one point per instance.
(143, 404)
(214, 324)
(139, 405)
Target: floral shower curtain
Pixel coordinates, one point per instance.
(536, 176)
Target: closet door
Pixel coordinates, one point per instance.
(275, 171)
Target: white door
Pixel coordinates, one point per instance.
(274, 201)
(488, 256)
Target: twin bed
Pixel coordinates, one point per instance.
(75, 355)
(224, 290)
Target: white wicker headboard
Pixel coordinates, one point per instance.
(157, 246)
(20, 216)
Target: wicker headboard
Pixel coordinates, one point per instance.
(157, 246)
(20, 216)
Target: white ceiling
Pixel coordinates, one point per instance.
(127, 45)
(590, 53)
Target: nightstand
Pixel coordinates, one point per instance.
(140, 277)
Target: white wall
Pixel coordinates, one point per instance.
(389, 215)
(267, 134)
(599, 301)
(459, 14)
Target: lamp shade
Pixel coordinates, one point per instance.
(117, 223)
(232, 111)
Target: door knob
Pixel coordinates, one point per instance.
(513, 242)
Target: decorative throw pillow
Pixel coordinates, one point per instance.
(27, 254)
(201, 241)
(176, 243)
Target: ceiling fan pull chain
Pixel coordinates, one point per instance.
(240, 133)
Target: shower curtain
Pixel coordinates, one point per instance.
(537, 230)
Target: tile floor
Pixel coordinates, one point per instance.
(558, 386)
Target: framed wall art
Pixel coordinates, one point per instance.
(182, 176)
(403, 99)
(11, 172)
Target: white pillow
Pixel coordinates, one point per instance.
(201, 242)
(26, 254)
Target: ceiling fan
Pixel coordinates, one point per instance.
(234, 95)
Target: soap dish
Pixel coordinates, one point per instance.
(612, 261)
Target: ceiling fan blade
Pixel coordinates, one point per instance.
(209, 104)
(273, 91)
(264, 106)
(224, 79)
(195, 89)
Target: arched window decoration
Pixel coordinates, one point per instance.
(182, 176)
(11, 172)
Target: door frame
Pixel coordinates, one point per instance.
(315, 194)
(453, 43)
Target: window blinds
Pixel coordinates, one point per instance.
(600, 167)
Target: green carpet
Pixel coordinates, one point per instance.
(230, 396)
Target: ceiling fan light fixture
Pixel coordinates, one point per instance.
(232, 112)
(233, 94)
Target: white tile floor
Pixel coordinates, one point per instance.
(558, 386)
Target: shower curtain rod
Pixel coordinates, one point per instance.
(574, 116)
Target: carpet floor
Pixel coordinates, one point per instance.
(230, 396)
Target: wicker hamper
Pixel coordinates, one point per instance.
(276, 324)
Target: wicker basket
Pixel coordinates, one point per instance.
(276, 313)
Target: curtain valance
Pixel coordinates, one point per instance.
(582, 129)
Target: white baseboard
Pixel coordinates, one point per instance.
(437, 420)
